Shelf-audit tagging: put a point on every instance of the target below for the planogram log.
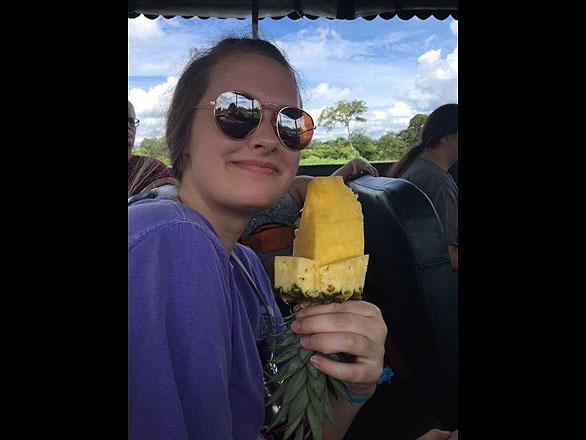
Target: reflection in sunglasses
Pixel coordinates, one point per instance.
(239, 115)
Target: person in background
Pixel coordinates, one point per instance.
(271, 232)
(144, 173)
(427, 164)
(198, 301)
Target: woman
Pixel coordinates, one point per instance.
(194, 319)
(427, 164)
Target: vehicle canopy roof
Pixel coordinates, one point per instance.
(295, 9)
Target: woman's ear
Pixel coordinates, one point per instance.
(447, 140)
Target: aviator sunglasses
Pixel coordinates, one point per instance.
(238, 116)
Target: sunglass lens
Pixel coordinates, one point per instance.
(295, 128)
(236, 114)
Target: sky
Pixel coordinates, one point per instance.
(399, 68)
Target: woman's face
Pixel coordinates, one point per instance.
(131, 127)
(252, 174)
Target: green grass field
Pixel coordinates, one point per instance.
(321, 161)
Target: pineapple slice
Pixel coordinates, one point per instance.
(343, 280)
(298, 274)
(331, 227)
(302, 281)
(328, 262)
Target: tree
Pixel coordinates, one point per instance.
(365, 145)
(154, 147)
(390, 147)
(412, 134)
(343, 112)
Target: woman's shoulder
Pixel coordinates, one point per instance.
(150, 216)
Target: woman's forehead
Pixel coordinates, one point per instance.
(262, 77)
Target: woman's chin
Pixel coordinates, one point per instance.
(258, 204)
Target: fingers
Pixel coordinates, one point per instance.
(333, 322)
(354, 327)
(363, 308)
(361, 165)
(357, 372)
(351, 343)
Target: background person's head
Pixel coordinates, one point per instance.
(441, 129)
(202, 156)
(439, 133)
(131, 126)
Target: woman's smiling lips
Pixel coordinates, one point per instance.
(258, 167)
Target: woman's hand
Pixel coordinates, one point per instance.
(355, 167)
(353, 327)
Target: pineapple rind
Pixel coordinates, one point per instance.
(300, 280)
(296, 295)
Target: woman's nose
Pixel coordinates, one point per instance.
(266, 135)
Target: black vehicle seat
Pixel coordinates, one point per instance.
(410, 279)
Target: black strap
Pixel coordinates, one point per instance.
(270, 331)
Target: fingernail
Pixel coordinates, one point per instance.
(303, 340)
(295, 325)
(314, 360)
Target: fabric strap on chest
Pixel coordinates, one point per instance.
(270, 330)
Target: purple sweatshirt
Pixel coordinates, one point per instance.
(193, 366)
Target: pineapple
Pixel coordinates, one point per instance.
(328, 264)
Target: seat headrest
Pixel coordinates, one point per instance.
(410, 279)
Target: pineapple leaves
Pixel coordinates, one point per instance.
(304, 355)
(279, 417)
(286, 355)
(276, 395)
(292, 338)
(339, 387)
(295, 384)
(315, 422)
(287, 371)
(296, 411)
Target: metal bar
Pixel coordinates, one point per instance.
(255, 19)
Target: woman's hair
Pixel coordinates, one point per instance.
(194, 82)
(441, 122)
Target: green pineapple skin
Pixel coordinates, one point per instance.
(296, 295)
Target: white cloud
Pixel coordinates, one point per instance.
(151, 108)
(144, 29)
(324, 92)
(436, 81)
(454, 27)
(378, 115)
(400, 109)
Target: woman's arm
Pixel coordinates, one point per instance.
(174, 314)
(353, 327)
(354, 167)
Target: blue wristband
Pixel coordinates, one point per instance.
(384, 377)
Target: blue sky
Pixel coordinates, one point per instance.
(398, 67)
